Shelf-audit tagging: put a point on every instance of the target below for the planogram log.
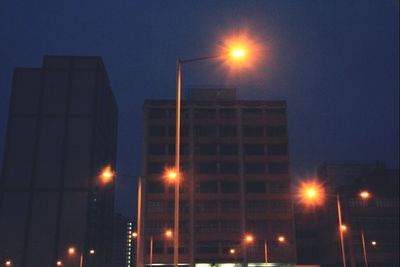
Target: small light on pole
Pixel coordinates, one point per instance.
(373, 243)
(249, 238)
(8, 263)
(365, 195)
(168, 233)
(59, 263)
(92, 252)
(343, 228)
(134, 235)
(232, 251)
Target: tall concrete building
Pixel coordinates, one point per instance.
(61, 132)
(236, 180)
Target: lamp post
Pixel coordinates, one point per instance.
(72, 251)
(236, 53)
(168, 234)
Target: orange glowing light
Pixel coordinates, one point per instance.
(343, 228)
(134, 234)
(311, 193)
(249, 238)
(168, 233)
(242, 51)
(373, 243)
(59, 263)
(170, 175)
(365, 195)
(92, 252)
(107, 175)
(232, 251)
(281, 239)
(8, 263)
(71, 250)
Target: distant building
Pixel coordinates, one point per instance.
(337, 173)
(378, 219)
(124, 242)
(236, 180)
(61, 132)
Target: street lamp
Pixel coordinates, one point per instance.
(236, 53)
(8, 263)
(72, 251)
(168, 234)
(106, 175)
(59, 263)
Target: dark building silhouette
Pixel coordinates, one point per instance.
(124, 242)
(236, 180)
(377, 217)
(61, 132)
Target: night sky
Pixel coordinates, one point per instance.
(335, 62)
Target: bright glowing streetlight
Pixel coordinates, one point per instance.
(343, 228)
(249, 238)
(59, 263)
(373, 243)
(8, 263)
(281, 239)
(107, 175)
(365, 195)
(92, 252)
(134, 235)
(235, 52)
(71, 250)
(232, 251)
(311, 193)
(168, 233)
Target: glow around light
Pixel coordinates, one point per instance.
(311, 193)
(249, 238)
(107, 175)
(365, 195)
(281, 239)
(170, 174)
(168, 233)
(343, 228)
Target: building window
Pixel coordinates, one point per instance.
(155, 187)
(279, 187)
(252, 113)
(228, 149)
(255, 187)
(156, 149)
(276, 131)
(206, 149)
(257, 226)
(155, 206)
(207, 226)
(227, 113)
(278, 168)
(230, 226)
(276, 111)
(206, 207)
(229, 206)
(253, 131)
(206, 131)
(256, 206)
(156, 131)
(255, 168)
(279, 206)
(205, 113)
(172, 130)
(230, 187)
(157, 113)
(228, 131)
(254, 149)
(229, 168)
(207, 187)
(207, 168)
(155, 168)
(207, 247)
(184, 149)
(277, 149)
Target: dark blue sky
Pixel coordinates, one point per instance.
(335, 62)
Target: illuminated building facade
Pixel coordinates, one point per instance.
(235, 161)
(61, 132)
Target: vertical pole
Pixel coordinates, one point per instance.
(151, 251)
(364, 249)
(340, 230)
(177, 164)
(266, 251)
(81, 260)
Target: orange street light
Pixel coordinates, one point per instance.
(373, 243)
(281, 239)
(343, 228)
(92, 252)
(170, 174)
(107, 175)
(311, 193)
(134, 235)
(249, 238)
(71, 250)
(232, 251)
(59, 263)
(8, 263)
(168, 233)
(365, 195)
